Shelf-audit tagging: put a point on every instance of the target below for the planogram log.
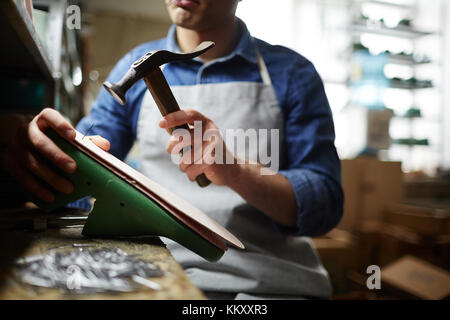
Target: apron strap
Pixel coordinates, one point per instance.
(263, 69)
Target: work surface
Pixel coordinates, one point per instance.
(13, 245)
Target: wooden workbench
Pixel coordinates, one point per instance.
(13, 245)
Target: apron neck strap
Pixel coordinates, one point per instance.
(263, 69)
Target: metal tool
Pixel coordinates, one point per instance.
(148, 68)
(88, 271)
(37, 220)
(92, 125)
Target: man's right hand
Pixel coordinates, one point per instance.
(24, 155)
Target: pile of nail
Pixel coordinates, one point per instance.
(88, 271)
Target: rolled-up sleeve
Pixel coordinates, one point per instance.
(313, 166)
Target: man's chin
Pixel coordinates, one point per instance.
(183, 18)
(190, 24)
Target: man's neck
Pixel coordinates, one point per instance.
(225, 36)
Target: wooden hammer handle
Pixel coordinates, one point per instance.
(160, 90)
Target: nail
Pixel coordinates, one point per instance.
(174, 138)
(70, 166)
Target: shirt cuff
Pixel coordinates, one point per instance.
(313, 201)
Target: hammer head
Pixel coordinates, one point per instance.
(146, 64)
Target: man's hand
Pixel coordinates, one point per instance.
(24, 155)
(201, 160)
(271, 194)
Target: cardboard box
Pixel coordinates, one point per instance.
(417, 278)
(368, 245)
(337, 244)
(369, 186)
(395, 241)
(431, 188)
(423, 220)
(337, 252)
(381, 243)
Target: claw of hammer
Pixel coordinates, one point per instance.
(147, 64)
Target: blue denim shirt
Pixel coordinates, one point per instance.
(312, 166)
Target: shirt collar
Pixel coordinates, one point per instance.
(245, 48)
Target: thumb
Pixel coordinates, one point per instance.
(100, 142)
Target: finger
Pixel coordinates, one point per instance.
(48, 175)
(29, 182)
(44, 145)
(177, 143)
(193, 171)
(36, 166)
(100, 142)
(186, 161)
(51, 117)
(191, 157)
(181, 117)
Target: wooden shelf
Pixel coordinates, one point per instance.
(22, 51)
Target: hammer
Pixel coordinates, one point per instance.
(148, 68)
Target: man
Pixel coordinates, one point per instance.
(242, 83)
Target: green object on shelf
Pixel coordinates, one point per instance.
(359, 46)
(411, 83)
(412, 142)
(120, 209)
(412, 113)
(405, 54)
(405, 22)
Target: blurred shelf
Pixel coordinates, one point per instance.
(387, 4)
(401, 58)
(40, 59)
(412, 113)
(398, 32)
(22, 51)
(409, 85)
(417, 132)
(335, 81)
(422, 118)
(434, 120)
(406, 60)
(430, 148)
(392, 84)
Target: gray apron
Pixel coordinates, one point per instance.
(271, 264)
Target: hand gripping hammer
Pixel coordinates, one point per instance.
(148, 68)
